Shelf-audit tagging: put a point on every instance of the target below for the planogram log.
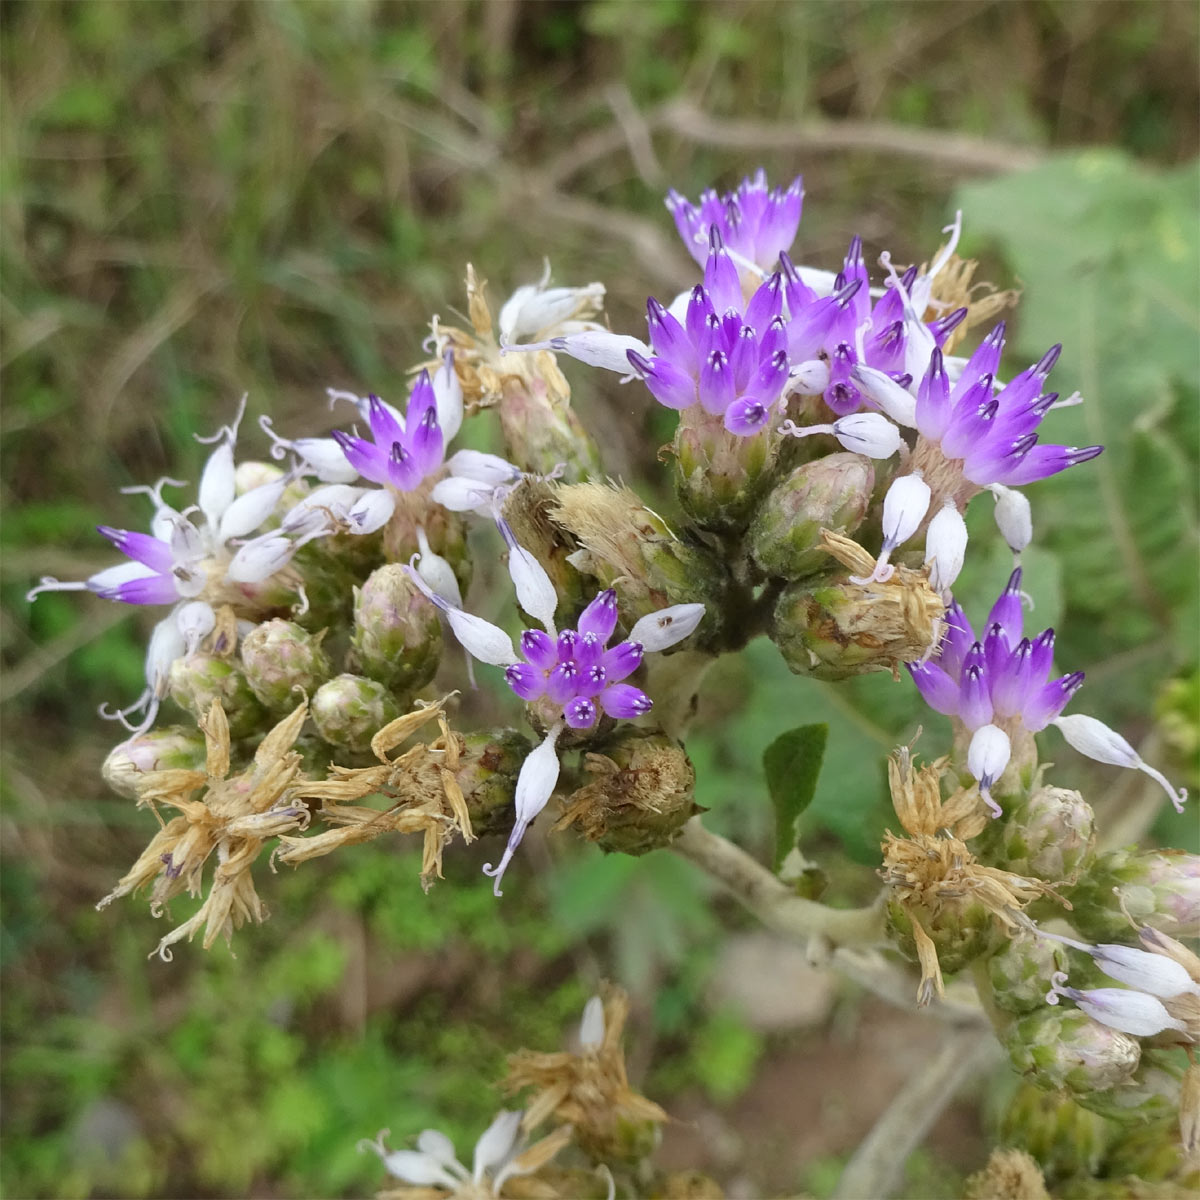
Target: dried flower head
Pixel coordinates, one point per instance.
(934, 878)
(589, 1088)
(235, 816)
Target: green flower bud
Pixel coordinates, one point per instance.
(489, 764)
(541, 430)
(1050, 837)
(1065, 1139)
(626, 546)
(1065, 1048)
(1150, 1095)
(198, 679)
(961, 932)
(1159, 888)
(397, 636)
(281, 660)
(419, 525)
(640, 796)
(846, 629)
(176, 746)
(833, 492)
(1020, 973)
(720, 477)
(349, 710)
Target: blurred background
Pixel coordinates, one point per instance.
(206, 199)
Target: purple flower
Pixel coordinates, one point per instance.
(571, 672)
(757, 224)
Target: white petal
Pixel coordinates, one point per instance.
(419, 1169)
(821, 281)
(217, 483)
(485, 468)
(532, 310)
(166, 645)
(371, 511)
(596, 347)
(535, 592)
(111, 577)
(437, 572)
(249, 511)
(867, 433)
(1096, 740)
(1129, 1012)
(661, 629)
(497, 1142)
(324, 508)
(481, 639)
(436, 1145)
(463, 495)
(325, 459)
(260, 559)
(196, 621)
(904, 508)
(449, 396)
(679, 306)
(1153, 973)
(591, 1028)
(187, 544)
(987, 756)
(1014, 518)
(510, 311)
(945, 547)
(897, 402)
(810, 378)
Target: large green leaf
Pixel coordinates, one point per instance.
(792, 764)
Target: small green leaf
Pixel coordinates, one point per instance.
(792, 763)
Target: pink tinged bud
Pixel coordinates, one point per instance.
(625, 702)
(371, 511)
(904, 508)
(1154, 973)
(535, 785)
(945, 547)
(437, 572)
(600, 616)
(1126, 1011)
(662, 629)
(591, 1028)
(809, 378)
(987, 756)
(260, 559)
(1014, 518)
(1094, 739)
(449, 397)
(195, 621)
(897, 402)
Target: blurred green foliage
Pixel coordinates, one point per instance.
(200, 200)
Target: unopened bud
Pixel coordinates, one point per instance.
(1014, 518)
(196, 681)
(397, 636)
(720, 476)
(1063, 1137)
(1147, 1107)
(832, 493)
(349, 710)
(1159, 888)
(1051, 836)
(1065, 1048)
(1020, 970)
(281, 660)
(542, 432)
(640, 796)
(962, 931)
(176, 746)
(489, 763)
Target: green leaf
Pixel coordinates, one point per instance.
(792, 763)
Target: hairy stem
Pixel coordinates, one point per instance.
(771, 901)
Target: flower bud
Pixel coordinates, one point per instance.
(542, 432)
(1159, 888)
(640, 796)
(1019, 972)
(489, 763)
(961, 931)
(397, 636)
(1065, 1048)
(1066, 1139)
(1014, 518)
(720, 476)
(196, 681)
(176, 746)
(1051, 836)
(349, 710)
(1151, 1096)
(833, 493)
(280, 657)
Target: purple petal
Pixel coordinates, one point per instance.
(421, 399)
(976, 706)
(580, 713)
(525, 680)
(1007, 611)
(150, 589)
(589, 650)
(1042, 656)
(600, 616)
(385, 429)
(943, 327)
(766, 304)
(622, 660)
(1039, 462)
(141, 547)
(667, 382)
(563, 682)
(1011, 681)
(747, 416)
(539, 649)
(716, 383)
(721, 279)
(624, 701)
(403, 473)
(699, 309)
(937, 688)
(593, 680)
(957, 640)
(996, 647)
(668, 338)
(743, 357)
(933, 399)
(427, 444)
(369, 460)
(1047, 703)
(568, 639)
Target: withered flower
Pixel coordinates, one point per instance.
(235, 816)
(589, 1089)
(941, 896)
(422, 782)
(954, 287)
